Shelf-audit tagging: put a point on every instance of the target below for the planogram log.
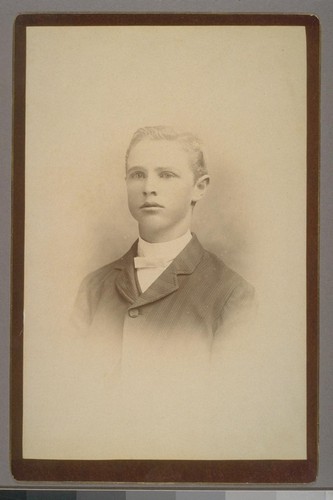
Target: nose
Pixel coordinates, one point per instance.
(149, 186)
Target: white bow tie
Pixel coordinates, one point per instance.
(146, 263)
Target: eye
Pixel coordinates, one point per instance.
(167, 175)
(137, 174)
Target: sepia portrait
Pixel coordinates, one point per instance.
(165, 243)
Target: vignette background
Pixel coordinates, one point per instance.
(242, 90)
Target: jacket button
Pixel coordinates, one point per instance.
(133, 313)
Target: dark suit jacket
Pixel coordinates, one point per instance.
(191, 304)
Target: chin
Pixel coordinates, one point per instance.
(150, 218)
(152, 227)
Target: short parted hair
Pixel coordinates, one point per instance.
(188, 142)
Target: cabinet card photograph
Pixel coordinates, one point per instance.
(165, 192)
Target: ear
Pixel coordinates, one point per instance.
(200, 188)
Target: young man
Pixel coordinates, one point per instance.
(167, 296)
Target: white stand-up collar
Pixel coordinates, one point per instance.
(153, 258)
(167, 250)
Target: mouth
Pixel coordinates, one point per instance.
(151, 205)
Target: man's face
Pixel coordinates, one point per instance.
(160, 188)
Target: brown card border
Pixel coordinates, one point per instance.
(165, 471)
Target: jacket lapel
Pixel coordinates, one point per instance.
(167, 282)
(125, 281)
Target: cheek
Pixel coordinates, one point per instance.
(182, 195)
(132, 192)
(180, 200)
(132, 204)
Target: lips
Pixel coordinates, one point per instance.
(151, 205)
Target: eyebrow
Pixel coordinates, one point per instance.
(158, 169)
(167, 167)
(136, 167)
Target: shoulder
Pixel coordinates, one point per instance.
(98, 277)
(222, 276)
(96, 284)
(104, 275)
(223, 290)
(238, 303)
(90, 291)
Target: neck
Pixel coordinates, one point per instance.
(161, 236)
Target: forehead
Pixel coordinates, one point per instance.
(161, 152)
